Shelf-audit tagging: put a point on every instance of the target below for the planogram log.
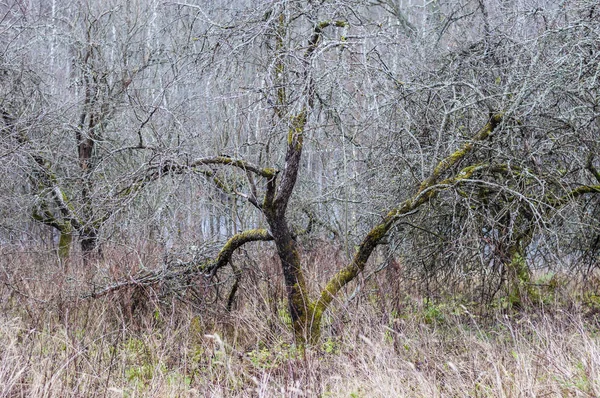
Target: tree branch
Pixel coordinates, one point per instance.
(239, 163)
(178, 271)
(235, 242)
(573, 194)
(167, 168)
(590, 166)
(460, 154)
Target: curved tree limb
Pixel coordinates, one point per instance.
(178, 271)
(173, 167)
(155, 172)
(235, 242)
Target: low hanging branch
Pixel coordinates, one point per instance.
(168, 168)
(181, 271)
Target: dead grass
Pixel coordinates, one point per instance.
(382, 343)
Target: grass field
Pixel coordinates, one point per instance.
(376, 343)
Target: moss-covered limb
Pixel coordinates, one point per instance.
(592, 169)
(445, 164)
(365, 249)
(238, 163)
(584, 189)
(235, 242)
(64, 229)
(178, 271)
(267, 173)
(573, 194)
(170, 167)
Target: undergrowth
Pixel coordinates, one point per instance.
(382, 338)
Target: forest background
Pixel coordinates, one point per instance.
(318, 198)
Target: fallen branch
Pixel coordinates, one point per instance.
(176, 271)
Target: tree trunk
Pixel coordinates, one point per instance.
(88, 238)
(305, 322)
(64, 242)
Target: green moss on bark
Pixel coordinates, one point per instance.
(64, 243)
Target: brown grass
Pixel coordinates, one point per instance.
(381, 343)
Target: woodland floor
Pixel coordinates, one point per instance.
(384, 340)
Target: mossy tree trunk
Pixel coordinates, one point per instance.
(275, 207)
(305, 322)
(64, 229)
(518, 275)
(95, 109)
